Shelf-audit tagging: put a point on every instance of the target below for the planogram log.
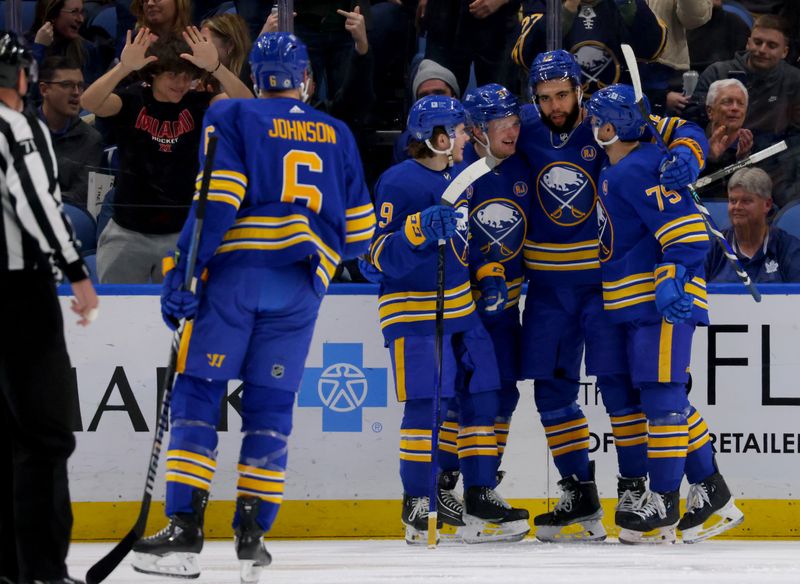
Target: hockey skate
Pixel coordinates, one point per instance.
(253, 555)
(449, 507)
(488, 518)
(577, 515)
(629, 491)
(173, 550)
(415, 518)
(651, 520)
(709, 500)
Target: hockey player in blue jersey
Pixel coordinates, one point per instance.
(404, 251)
(563, 309)
(653, 244)
(287, 202)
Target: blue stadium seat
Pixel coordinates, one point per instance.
(91, 263)
(28, 14)
(106, 20)
(84, 226)
(739, 10)
(719, 212)
(788, 218)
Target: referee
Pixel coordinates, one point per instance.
(36, 401)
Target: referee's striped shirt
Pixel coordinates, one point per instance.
(33, 228)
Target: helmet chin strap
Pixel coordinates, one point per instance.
(486, 145)
(603, 143)
(304, 96)
(448, 152)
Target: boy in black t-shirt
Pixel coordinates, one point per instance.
(158, 127)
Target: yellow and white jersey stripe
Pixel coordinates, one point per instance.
(685, 229)
(360, 223)
(411, 306)
(575, 256)
(265, 484)
(641, 288)
(226, 186)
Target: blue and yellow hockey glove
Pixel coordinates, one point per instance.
(493, 290)
(682, 170)
(176, 303)
(672, 300)
(432, 224)
(369, 271)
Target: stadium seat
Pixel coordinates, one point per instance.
(106, 20)
(719, 212)
(28, 14)
(739, 10)
(788, 218)
(91, 263)
(84, 226)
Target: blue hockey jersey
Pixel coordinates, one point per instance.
(287, 184)
(407, 303)
(561, 248)
(498, 219)
(640, 225)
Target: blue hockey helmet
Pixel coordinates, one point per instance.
(551, 65)
(616, 105)
(432, 111)
(489, 102)
(278, 61)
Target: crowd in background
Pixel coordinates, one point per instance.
(123, 88)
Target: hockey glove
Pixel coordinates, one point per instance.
(672, 300)
(493, 290)
(432, 224)
(682, 170)
(176, 303)
(369, 271)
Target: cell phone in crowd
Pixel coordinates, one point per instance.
(738, 74)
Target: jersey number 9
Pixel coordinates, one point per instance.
(293, 191)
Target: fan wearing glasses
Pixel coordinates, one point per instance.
(77, 145)
(56, 32)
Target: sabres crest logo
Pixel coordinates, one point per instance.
(498, 227)
(566, 193)
(605, 233)
(460, 241)
(599, 65)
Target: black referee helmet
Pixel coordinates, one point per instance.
(13, 57)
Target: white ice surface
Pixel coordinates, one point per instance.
(392, 561)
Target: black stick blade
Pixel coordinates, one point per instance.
(108, 563)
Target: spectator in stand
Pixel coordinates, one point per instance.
(164, 18)
(476, 32)
(767, 253)
(662, 80)
(728, 140)
(229, 34)
(718, 39)
(430, 79)
(76, 144)
(772, 84)
(56, 32)
(593, 31)
(158, 129)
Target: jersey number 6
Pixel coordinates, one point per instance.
(293, 191)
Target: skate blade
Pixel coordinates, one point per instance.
(586, 531)
(478, 530)
(655, 536)
(420, 537)
(250, 571)
(174, 565)
(726, 518)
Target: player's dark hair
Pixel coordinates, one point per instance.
(418, 149)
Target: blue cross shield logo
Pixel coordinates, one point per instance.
(342, 387)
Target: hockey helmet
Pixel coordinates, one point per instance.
(616, 105)
(432, 111)
(489, 102)
(278, 61)
(13, 56)
(551, 65)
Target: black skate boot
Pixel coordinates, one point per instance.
(488, 518)
(579, 505)
(415, 518)
(253, 555)
(173, 550)
(708, 499)
(652, 519)
(448, 505)
(629, 491)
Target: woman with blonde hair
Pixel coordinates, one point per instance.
(164, 18)
(229, 34)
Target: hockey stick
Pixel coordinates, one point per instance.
(754, 158)
(554, 33)
(286, 16)
(730, 255)
(459, 184)
(108, 563)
